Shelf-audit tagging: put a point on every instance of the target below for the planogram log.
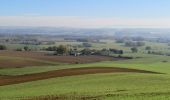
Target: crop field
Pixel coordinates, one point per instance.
(84, 50)
(7, 80)
(24, 59)
(140, 78)
(35, 75)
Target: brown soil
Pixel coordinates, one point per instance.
(64, 59)
(13, 63)
(44, 57)
(7, 80)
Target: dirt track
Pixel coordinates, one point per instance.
(7, 80)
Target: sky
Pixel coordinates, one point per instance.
(85, 13)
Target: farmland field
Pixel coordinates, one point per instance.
(42, 57)
(39, 74)
(101, 84)
(84, 50)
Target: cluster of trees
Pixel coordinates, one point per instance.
(110, 52)
(87, 51)
(85, 44)
(168, 44)
(3, 47)
(134, 44)
(125, 39)
(105, 52)
(115, 51)
(83, 40)
(30, 42)
(51, 48)
(131, 42)
(148, 48)
(63, 50)
(137, 39)
(134, 49)
(120, 41)
(60, 50)
(25, 48)
(156, 53)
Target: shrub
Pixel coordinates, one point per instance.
(3, 47)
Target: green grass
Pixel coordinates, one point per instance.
(111, 86)
(119, 86)
(147, 62)
(106, 86)
(26, 70)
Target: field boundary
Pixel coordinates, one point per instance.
(8, 80)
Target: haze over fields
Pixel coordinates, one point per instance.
(84, 50)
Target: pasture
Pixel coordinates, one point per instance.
(38, 76)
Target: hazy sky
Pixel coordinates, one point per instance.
(85, 13)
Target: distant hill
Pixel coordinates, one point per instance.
(131, 32)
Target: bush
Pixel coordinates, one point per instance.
(3, 47)
(120, 41)
(53, 48)
(62, 50)
(19, 49)
(26, 48)
(132, 44)
(87, 45)
(148, 48)
(86, 52)
(134, 50)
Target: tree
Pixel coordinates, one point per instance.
(3, 47)
(132, 44)
(120, 41)
(105, 51)
(26, 48)
(134, 50)
(62, 50)
(140, 43)
(149, 52)
(148, 48)
(86, 51)
(121, 52)
(83, 40)
(53, 48)
(18, 49)
(115, 51)
(85, 44)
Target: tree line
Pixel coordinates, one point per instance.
(64, 50)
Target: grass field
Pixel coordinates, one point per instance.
(92, 85)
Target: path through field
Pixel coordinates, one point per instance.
(7, 80)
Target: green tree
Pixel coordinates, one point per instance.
(148, 48)
(26, 48)
(86, 51)
(3, 47)
(85, 44)
(62, 50)
(134, 49)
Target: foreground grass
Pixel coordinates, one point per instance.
(105, 86)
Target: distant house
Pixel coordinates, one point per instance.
(74, 53)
